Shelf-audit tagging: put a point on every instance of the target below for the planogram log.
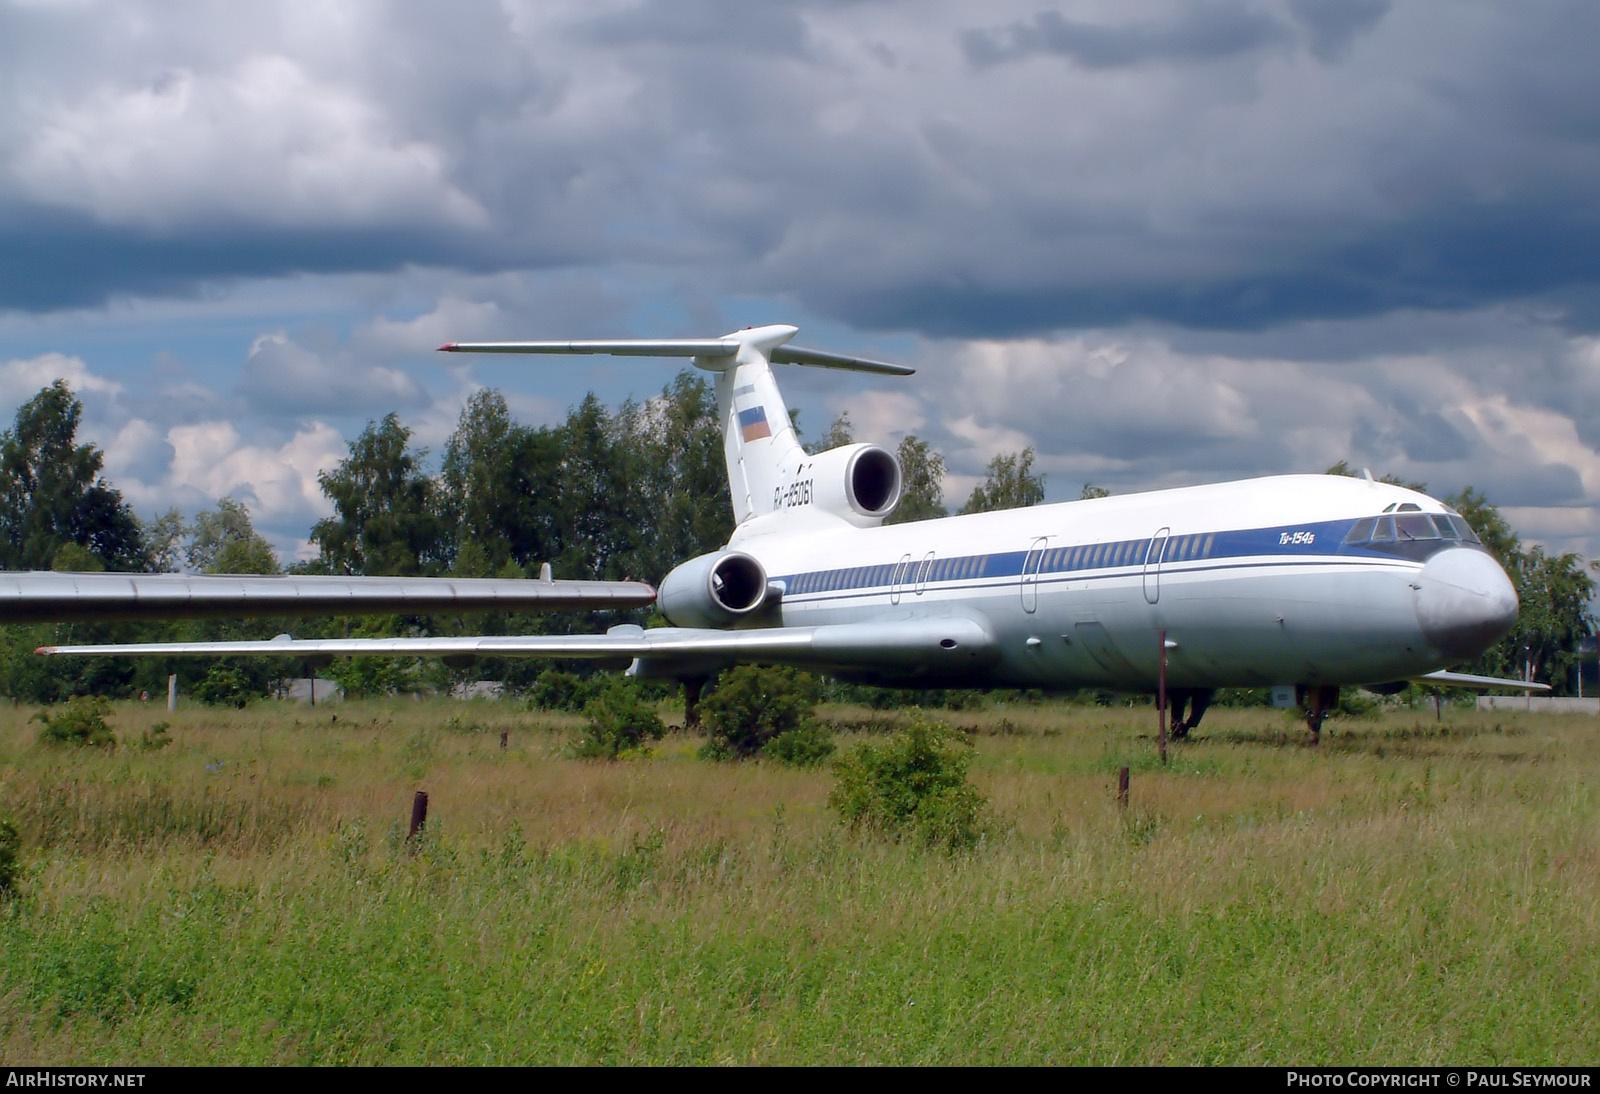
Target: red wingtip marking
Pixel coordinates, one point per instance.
(448, 347)
(45, 650)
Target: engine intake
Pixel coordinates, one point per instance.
(715, 590)
(860, 482)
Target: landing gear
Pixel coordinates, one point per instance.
(693, 687)
(1315, 702)
(1198, 700)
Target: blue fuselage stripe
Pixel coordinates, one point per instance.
(1318, 544)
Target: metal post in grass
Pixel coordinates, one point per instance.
(1161, 698)
(172, 691)
(1122, 789)
(419, 815)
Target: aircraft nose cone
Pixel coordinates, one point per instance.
(1465, 602)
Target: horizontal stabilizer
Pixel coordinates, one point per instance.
(685, 347)
(1478, 683)
(49, 597)
(936, 644)
(796, 355)
(639, 347)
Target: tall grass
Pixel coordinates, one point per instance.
(1409, 891)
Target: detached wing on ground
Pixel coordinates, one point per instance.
(45, 597)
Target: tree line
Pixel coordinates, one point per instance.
(606, 495)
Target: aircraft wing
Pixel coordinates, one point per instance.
(935, 644)
(1477, 683)
(48, 597)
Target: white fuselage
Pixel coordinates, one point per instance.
(1251, 583)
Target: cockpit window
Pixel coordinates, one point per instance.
(1362, 531)
(1414, 526)
(1407, 527)
(1465, 529)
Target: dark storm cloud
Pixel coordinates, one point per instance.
(54, 259)
(1218, 167)
(1334, 24)
(701, 25)
(1202, 32)
(1451, 260)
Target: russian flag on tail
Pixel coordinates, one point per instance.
(753, 423)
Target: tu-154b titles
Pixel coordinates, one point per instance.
(1314, 581)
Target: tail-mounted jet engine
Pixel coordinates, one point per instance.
(859, 482)
(716, 590)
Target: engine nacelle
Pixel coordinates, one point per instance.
(715, 590)
(859, 482)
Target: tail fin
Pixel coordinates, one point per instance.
(758, 436)
(762, 451)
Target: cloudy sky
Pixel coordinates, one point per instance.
(1163, 242)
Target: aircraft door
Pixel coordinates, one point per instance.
(1030, 574)
(899, 578)
(1152, 565)
(923, 570)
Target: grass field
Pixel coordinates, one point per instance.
(1408, 892)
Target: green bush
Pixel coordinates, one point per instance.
(10, 845)
(620, 721)
(227, 684)
(913, 785)
(156, 737)
(750, 705)
(557, 690)
(80, 721)
(808, 745)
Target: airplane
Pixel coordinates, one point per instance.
(1313, 581)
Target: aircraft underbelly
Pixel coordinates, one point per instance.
(1241, 628)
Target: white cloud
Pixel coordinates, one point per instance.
(22, 379)
(282, 376)
(881, 416)
(448, 321)
(1129, 411)
(139, 453)
(211, 460)
(264, 141)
